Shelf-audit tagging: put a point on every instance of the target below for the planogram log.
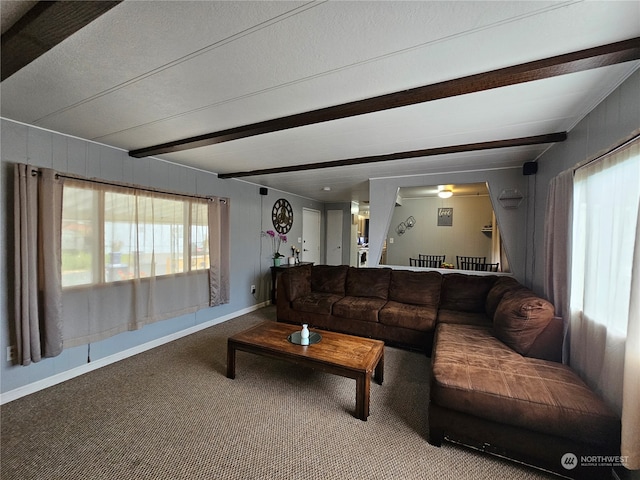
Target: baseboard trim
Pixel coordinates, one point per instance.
(116, 357)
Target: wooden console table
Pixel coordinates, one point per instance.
(274, 276)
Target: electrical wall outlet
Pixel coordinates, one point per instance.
(11, 353)
(253, 289)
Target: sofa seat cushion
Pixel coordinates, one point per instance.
(415, 317)
(463, 318)
(475, 373)
(316, 302)
(359, 308)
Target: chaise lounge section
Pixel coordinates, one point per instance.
(497, 383)
(486, 395)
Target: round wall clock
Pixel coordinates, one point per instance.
(282, 215)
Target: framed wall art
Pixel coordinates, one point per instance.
(445, 217)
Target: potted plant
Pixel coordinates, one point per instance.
(276, 241)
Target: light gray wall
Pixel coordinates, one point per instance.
(250, 254)
(512, 222)
(464, 237)
(614, 120)
(610, 122)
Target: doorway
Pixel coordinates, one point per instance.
(334, 237)
(310, 236)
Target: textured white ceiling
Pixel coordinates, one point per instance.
(156, 71)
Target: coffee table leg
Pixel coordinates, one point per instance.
(231, 361)
(363, 387)
(379, 371)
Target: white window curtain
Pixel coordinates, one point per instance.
(604, 286)
(140, 257)
(38, 304)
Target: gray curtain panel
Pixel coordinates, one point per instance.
(557, 247)
(219, 251)
(38, 290)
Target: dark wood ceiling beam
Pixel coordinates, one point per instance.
(605, 55)
(428, 152)
(43, 27)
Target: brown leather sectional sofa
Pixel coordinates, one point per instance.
(496, 381)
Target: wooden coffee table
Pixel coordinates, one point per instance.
(337, 353)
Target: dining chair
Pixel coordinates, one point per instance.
(433, 261)
(468, 263)
(479, 267)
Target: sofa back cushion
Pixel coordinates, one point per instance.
(465, 293)
(368, 282)
(329, 278)
(415, 288)
(500, 288)
(297, 282)
(520, 318)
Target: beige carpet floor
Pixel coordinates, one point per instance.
(171, 413)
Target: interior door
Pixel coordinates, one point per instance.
(310, 236)
(334, 237)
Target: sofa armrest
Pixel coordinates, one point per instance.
(520, 318)
(284, 309)
(295, 282)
